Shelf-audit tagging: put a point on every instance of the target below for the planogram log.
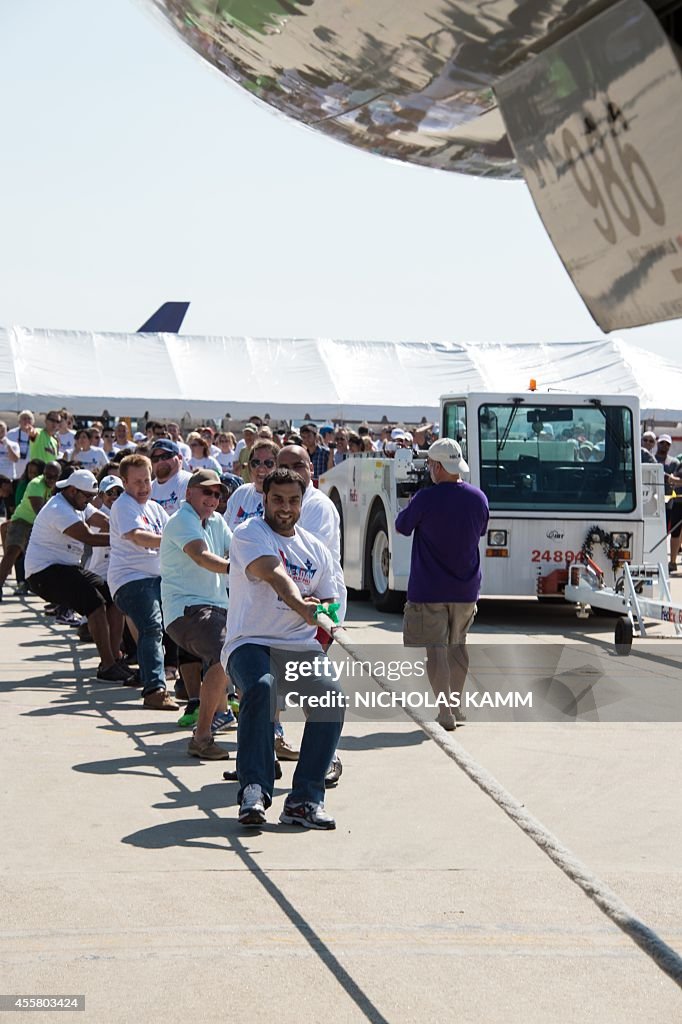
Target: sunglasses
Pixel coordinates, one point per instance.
(162, 458)
(255, 463)
(212, 494)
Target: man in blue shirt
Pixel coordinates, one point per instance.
(194, 550)
(447, 521)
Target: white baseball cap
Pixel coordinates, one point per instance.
(82, 480)
(449, 453)
(107, 482)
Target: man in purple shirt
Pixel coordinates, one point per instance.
(447, 521)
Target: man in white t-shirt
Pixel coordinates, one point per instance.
(170, 479)
(22, 436)
(319, 517)
(53, 566)
(278, 576)
(9, 453)
(136, 524)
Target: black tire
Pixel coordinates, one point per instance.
(623, 636)
(377, 554)
(336, 502)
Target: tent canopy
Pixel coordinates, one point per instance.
(170, 375)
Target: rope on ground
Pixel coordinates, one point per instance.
(663, 955)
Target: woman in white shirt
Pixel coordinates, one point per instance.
(84, 455)
(200, 458)
(226, 443)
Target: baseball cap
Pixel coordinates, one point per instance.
(164, 444)
(326, 429)
(206, 478)
(107, 482)
(139, 436)
(665, 437)
(397, 433)
(250, 426)
(82, 480)
(449, 454)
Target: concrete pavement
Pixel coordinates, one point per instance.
(127, 877)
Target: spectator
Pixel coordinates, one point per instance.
(208, 435)
(44, 444)
(135, 574)
(109, 442)
(22, 436)
(86, 455)
(201, 459)
(278, 575)
(175, 435)
(6, 491)
(672, 478)
(20, 525)
(194, 550)
(445, 579)
(170, 480)
(355, 444)
(122, 438)
(319, 454)
(247, 500)
(243, 450)
(9, 453)
(53, 569)
(226, 451)
(338, 451)
(648, 446)
(66, 437)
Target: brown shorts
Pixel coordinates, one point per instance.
(18, 532)
(431, 625)
(201, 631)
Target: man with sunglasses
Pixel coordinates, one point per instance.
(194, 550)
(247, 500)
(170, 479)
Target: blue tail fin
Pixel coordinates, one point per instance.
(168, 318)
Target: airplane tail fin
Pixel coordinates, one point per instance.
(168, 318)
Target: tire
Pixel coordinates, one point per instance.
(623, 636)
(377, 555)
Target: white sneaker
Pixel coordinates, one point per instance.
(252, 808)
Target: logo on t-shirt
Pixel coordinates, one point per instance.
(243, 515)
(298, 573)
(170, 500)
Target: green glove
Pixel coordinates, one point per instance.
(330, 610)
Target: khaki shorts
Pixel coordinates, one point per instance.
(201, 632)
(18, 532)
(430, 625)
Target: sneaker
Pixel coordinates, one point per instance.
(114, 674)
(333, 773)
(307, 814)
(223, 721)
(207, 750)
(672, 567)
(50, 609)
(252, 807)
(233, 704)
(67, 618)
(159, 700)
(284, 751)
(190, 717)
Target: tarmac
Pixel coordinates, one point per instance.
(129, 881)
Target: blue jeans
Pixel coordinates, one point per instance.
(140, 600)
(258, 672)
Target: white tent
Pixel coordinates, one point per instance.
(172, 375)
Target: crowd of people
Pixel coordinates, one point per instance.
(131, 539)
(205, 560)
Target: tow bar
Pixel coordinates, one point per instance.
(641, 592)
